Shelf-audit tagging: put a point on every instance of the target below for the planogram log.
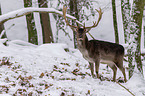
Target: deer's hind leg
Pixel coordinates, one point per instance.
(120, 66)
(112, 65)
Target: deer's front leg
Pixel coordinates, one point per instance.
(97, 63)
(92, 69)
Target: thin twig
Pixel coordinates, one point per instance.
(91, 35)
(2, 33)
(125, 88)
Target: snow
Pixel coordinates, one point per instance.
(137, 84)
(53, 69)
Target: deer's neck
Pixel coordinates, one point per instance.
(84, 48)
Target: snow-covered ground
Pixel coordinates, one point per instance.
(54, 70)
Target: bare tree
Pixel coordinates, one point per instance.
(134, 39)
(115, 21)
(144, 25)
(74, 12)
(32, 32)
(45, 23)
(125, 9)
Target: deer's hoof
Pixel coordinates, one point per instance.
(125, 80)
(93, 76)
(113, 80)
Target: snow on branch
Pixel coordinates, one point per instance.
(26, 11)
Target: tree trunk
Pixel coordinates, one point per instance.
(144, 25)
(144, 35)
(115, 21)
(138, 20)
(125, 9)
(74, 12)
(32, 32)
(45, 23)
(135, 37)
(2, 26)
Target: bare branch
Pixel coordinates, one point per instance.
(26, 11)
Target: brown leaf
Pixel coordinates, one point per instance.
(30, 77)
(41, 75)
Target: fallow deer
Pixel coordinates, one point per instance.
(96, 51)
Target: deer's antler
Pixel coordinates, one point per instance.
(64, 15)
(95, 24)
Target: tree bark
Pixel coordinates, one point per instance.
(138, 20)
(144, 25)
(32, 32)
(135, 37)
(45, 23)
(74, 12)
(125, 9)
(115, 21)
(144, 35)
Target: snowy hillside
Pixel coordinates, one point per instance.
(55, 69)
